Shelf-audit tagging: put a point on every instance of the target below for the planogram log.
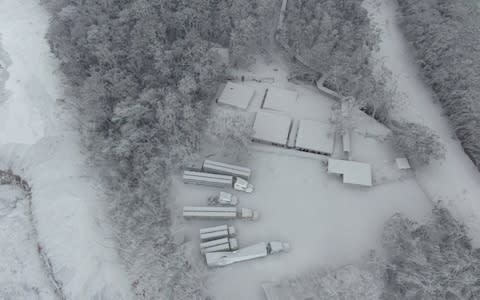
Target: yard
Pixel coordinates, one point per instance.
(328, 224)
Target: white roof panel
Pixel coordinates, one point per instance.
(402, 163)
(315, 136)
(273, 128)
(280, 99)
(237, 95)
(353, 172)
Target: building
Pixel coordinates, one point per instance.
(402, 163)
(315, 137)
(352, 172)
(271, 128)
(237, 95)
(279, 99)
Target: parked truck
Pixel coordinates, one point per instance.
(217, 180)
(217, 232)
(263, 249)
(223, 199)
(223, 244)
(226, 169)
(219, 212)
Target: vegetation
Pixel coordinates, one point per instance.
(230, 131)
(142, 74)
(418, 142)
(445, 36)
(435, 260)
(336, 38)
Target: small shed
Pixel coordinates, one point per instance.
(271, 128)
(279, 99)
(346, 144)
(315, 136)
(402, 163)
(237, 95)
(353, 172)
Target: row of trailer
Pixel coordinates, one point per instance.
(220, 247)
(219, 244)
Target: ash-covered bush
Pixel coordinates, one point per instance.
(230, 131)
(418, 142)
(435, 260)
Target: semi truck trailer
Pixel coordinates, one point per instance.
(217, 232)
(216, 167)
(217, 180)
(219, 212)
(263, 249)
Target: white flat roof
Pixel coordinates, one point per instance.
(270, 127)
(315, 136)
(237, 95)
(280, 99)
(353, 172)
(402, 163)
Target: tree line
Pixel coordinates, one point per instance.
(445, 37)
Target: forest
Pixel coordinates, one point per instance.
(337, 39)
(444, 36)
(142, 73)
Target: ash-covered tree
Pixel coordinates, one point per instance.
(418, 142)
(435, 260)
(336, 39)
(445, 37)
(230, 132)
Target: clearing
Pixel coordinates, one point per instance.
(328, 224)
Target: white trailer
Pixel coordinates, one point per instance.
(226, 169)
(224, 244)
(263, 249)
(223, 199)
(219, 212)
(217, 180)
(217, 232)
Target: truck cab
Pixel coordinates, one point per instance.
(241, 184)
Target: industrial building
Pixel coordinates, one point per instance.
(352, 172)
(279, 99)
(315, 137)
(271, 128)
(236, 95)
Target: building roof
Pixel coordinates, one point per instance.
(270, 127)
(315, 136)
(279, 99)
(402, 163)
(353, 172)
(237, 95)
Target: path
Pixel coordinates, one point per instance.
(67, 203)
(455, 180)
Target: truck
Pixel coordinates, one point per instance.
(223, 199)
(217, 180)
(217, 232)
(223, 244)
(219, 212)
(259, 250)
(226, 169)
